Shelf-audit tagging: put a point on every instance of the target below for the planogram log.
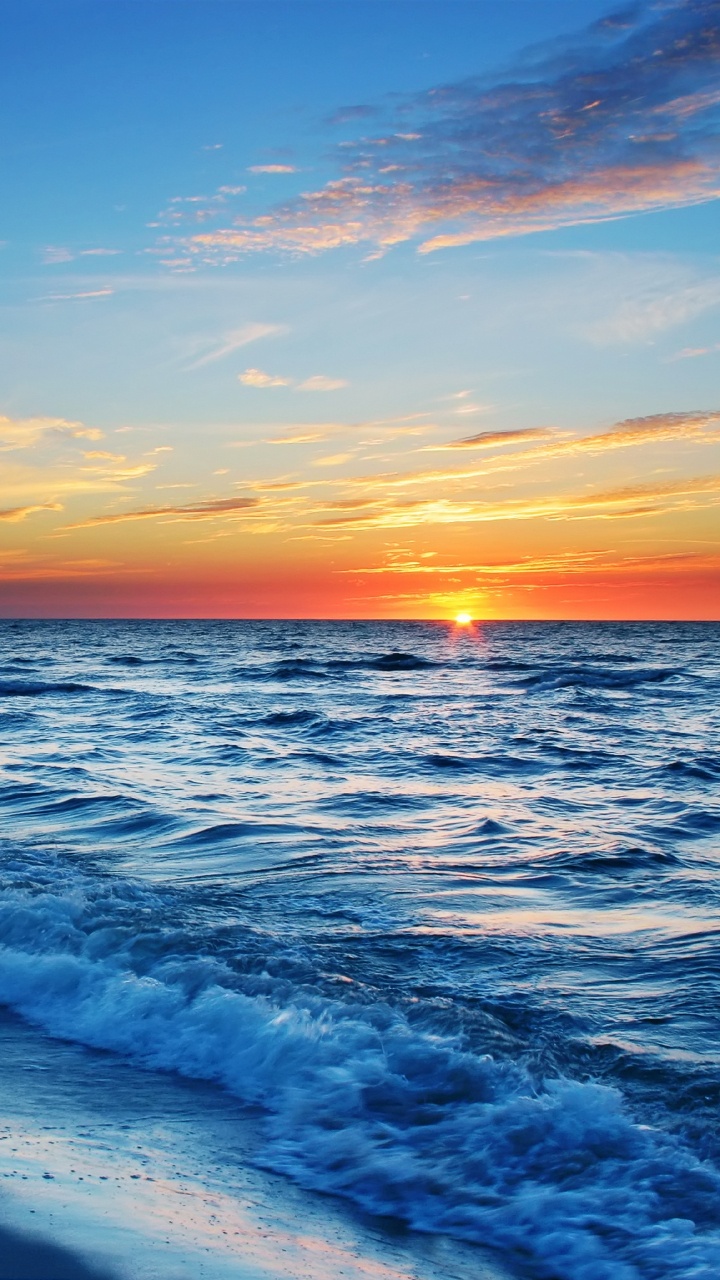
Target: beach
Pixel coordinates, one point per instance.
(110, 1175)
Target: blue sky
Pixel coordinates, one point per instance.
(318, 250)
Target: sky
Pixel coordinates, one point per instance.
(360, 309)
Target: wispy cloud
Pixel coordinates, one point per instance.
(618, 121)
(318, 382)
(493, 439)
(298, 437)
(237, 338)
(653, 307)
(14, 514)
(78, 296)
(699, 425)
(694, 426)
(211, 509)
(692, 353)
(22, 567)
(55, 255)
(562, 563)
(23, 433)
(272, 168)
(620, 503)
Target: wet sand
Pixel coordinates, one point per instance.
(111, 1173)
(25, 1257)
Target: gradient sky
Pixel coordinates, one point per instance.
(361, 308)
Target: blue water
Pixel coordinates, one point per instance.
(441, 904)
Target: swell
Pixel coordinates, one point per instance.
(34, 688)
(360, 1101)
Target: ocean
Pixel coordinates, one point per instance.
(394, 943)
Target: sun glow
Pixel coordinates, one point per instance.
(463, 619)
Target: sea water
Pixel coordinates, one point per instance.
(436, 907)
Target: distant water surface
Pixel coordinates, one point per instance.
(442, 904)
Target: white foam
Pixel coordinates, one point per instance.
(360, 1103)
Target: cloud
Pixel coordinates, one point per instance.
(320, 383)
(54, 254)
(15, 514)
(24, 568)
(618, 121)
(560, 566)
(699, 425)
(237, 338)
(23, 433)
(691, 353)
(333, 460)
(694, 426)
(653, 307)
(72, 297)
(624, 502)
(299, 437)
(272, 168)
(492, 439)
(208, 510)
(256, 378)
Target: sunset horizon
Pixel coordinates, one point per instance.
(401, 318)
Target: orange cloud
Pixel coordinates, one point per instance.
(15, 514)
(623, 502)
(491, 439)
(208, 510)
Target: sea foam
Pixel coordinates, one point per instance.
(359, 1102)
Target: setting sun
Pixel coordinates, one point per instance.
(463, 619)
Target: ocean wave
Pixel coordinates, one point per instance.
(300, 716)
(327, 668)
(596, 677)
(398, 661)
(35, 688)
(706, 767)
(360, 1102)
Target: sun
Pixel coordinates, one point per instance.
(463, 619)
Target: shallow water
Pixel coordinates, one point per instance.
(441, 904)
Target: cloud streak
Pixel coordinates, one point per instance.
(211, 509)
(318, 382)
(620, 121)
(236, 339)
(13, 515)
(620, 503)
(557, 565)
(493, 439)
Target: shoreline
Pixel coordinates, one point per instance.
(115, 1173)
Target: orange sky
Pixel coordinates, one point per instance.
(381, 327)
